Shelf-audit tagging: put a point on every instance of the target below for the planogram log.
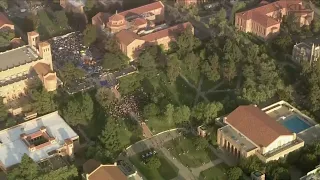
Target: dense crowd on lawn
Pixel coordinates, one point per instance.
(126, 105)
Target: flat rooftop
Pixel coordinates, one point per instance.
(238, 138)
(16, 57)
(12, 148)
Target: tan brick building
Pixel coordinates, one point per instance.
(266, 132)
(19, 67)
(264, 21)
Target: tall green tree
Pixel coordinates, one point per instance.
(43, 102)
(211, 68)
(153, 163)
(206, 112)
(109, 137)
(4, 4)
(26, 170)
(181, 114)
(234, 173)
(168, 114)
(105, 97)
(151, 110)
(79, 110)
(173, 68)
(89, 35)
(69, 73)
(114, 61)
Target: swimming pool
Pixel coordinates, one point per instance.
(295, 124)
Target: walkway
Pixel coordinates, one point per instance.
(196, 171)
(184, 172)
(191, 85)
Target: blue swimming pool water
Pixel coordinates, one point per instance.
(295, 124)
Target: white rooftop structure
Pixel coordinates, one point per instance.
(12, 147)
(77, 3)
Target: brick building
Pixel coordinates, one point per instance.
(264, 21)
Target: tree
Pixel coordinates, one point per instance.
(169, 112)
(10, 122)
(109, 137)
(147, 64)
(130, 83)
(5, 38)
(278, 170)
(173, 68)
(221, 15)
(111, 45)
(151, 110)
(89, 5)
(79, 110)
(105, 97)
(315, 25)
(3, 110)
(308, 161)
(200, 143)
(61, 18)
(63, 173)
(283, 43)
(229, 70)
(211, 68)
(205, 112)
(235, 8)
(234, 173)
(113, 61)
(43, 102)
(69, 73)
(26, 170)
(187, 42)
(181, 114)
(4, 4)
(153, 162)
(251, 164)
(89, 35)
(31, 22)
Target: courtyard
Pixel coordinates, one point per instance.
(217, 172)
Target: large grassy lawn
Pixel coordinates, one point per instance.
(185, 151)
(179, 92)
(215, 173)
(157, 125)
(166, 171)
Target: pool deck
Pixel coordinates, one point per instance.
(282, 110)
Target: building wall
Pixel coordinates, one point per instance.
(133, 49)
(280, 141)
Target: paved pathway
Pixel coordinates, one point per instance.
(191, 85)
(215, 87)
(196, 171)
(198, 91)
(184, 172)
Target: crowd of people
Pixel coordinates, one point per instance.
(70, 48)
(128, 104)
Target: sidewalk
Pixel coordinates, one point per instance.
(196, 171)
(184, 172)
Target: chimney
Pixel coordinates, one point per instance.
(33, 39)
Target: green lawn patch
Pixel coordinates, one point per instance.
(158, 125)
(166, 171)
(185, 151)
(180, 93)
(215, 173)
(208, 84)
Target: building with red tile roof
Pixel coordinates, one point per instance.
(131, 43)
(94, 170)
(152, 13)
(190, 2)
(249, 130)
(5, 23)
(265, 20)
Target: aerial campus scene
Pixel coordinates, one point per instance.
(159, 90)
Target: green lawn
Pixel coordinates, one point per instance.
(180, 92)
(208, 84)
(185, 151)
(166, 171)
(215, 173)
(157, 125)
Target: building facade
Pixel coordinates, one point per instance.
(249, 130)
(307, 51)
(21, 66)
(40, 138)
(264, 21)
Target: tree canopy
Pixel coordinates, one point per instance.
(114, 61)
(69, 73)
(43, 102)
(26, 170)
(234, 173)
(89, 35)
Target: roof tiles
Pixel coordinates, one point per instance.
(256, 125)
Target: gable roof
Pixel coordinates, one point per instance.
(143, 9)
(166, 32)
(256, 125)
(109, 172)
(4, 20)
(259, 14)
(90, 166)
(126, 37)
